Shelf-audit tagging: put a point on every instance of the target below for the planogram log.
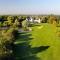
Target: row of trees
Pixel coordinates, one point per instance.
(9, 35)
(7, 39)
(17, 20)
(11, 20)
(50, 19)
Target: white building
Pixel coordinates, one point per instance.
(30, 19)
(37, 20)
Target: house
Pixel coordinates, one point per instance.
(30, 19)
(37, 20)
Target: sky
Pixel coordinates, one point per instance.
(29, 7)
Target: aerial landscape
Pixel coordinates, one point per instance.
(29, 30)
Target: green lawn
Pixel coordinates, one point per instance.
(42, 43)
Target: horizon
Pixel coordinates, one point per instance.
(29, 7)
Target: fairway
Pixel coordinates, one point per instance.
(42, 43)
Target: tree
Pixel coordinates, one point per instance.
(44, 19)
(7, 38)
(25, 25)
(52, 20)
(1, 24)
(15, 24)
(10, 20)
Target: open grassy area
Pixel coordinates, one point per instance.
(42, 43)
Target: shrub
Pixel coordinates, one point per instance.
(25, 25)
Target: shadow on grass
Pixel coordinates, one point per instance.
(23, 51)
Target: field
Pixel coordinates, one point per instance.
(42, 43)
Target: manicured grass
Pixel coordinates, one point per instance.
(42, 43)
